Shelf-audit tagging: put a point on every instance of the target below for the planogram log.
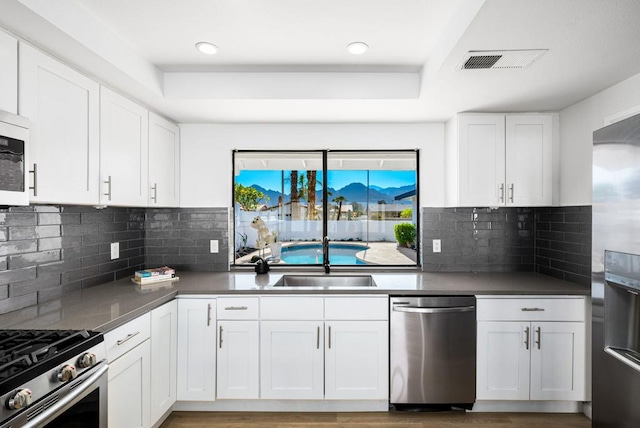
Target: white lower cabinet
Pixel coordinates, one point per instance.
(129, 354)
(543, 358)
(238, 359)
(558, 361)
(164, 336)
(196, 349)
(357, 360)
(292, 359)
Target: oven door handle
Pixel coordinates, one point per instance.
(74, 395)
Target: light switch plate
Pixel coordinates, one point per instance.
(214, 246)
(115, 250)
(436, 246)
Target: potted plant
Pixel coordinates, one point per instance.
(405, 234)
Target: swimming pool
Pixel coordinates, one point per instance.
(308, 254)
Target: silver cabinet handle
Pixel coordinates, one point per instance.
(108, 183)
(236, 308)
(154, 188)
(511, 192)
(538, 337)
(526, 338)
(129, 337)
(416, 310)
(318, 339)
(208, 314)
(532, 309)
(220, 337)
(329, 337)
(35, 179)
(501, 192)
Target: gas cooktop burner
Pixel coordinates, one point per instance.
(25, 354)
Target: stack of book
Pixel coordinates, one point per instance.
(152, 276)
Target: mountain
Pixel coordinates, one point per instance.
(395, 191)
(354, 192)
(357, 192)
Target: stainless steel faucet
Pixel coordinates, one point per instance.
(325, 254)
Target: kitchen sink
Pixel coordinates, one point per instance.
(328, 281)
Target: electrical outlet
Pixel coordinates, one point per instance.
(115, 250)
(436, 246)
(214, 246)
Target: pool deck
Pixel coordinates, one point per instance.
(379, 253)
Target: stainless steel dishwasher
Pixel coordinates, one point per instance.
(432, 352)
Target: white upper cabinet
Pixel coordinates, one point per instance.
(8, 73)
(529, 160)
(499, 160)
(63, 107)
(164, 162)
(124, 150)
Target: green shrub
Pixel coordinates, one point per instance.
(405, 233)
(408, 213)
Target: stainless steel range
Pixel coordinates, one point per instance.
(51, 378)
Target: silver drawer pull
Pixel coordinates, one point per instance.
(532, 309)
(526, 338)
(129, 337)
(236, 308)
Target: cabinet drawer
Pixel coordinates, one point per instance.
(238, 308)
(356, 308)
(292, 308)
(531, 309)
(127, 336)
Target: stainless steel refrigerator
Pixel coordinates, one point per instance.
(616, 275)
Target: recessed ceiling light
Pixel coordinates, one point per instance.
(207, 48)
(357, 48)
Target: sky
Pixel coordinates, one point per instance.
(272, 180)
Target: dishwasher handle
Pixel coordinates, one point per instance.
(421, 310)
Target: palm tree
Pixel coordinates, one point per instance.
(339, 200)
(295, 197)
(311, 194)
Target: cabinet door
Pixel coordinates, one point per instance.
(481, 157)
(558, 361)
(196, 350)
(164, 332)
(128, 404)
(8, 73)
(292, 359)
(164, 162)
(124, 150)
(503, 357)
(63, 107)
(357, 360)
(238, 359)
(529, 160)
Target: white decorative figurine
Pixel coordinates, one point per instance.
(264, 236)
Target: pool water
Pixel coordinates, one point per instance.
(309, 254)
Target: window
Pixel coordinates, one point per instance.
(294, 207)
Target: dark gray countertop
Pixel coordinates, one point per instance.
(106, 306)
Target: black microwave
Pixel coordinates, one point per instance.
(14, 184)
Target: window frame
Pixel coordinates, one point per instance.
(325, 213)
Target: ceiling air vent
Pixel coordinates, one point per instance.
(475, 60)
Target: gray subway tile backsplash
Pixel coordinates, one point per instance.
(48, 251)
(552, 240)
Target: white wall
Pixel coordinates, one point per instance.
(205, 173)
(577, 124)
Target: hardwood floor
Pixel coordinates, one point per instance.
(374, 420)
